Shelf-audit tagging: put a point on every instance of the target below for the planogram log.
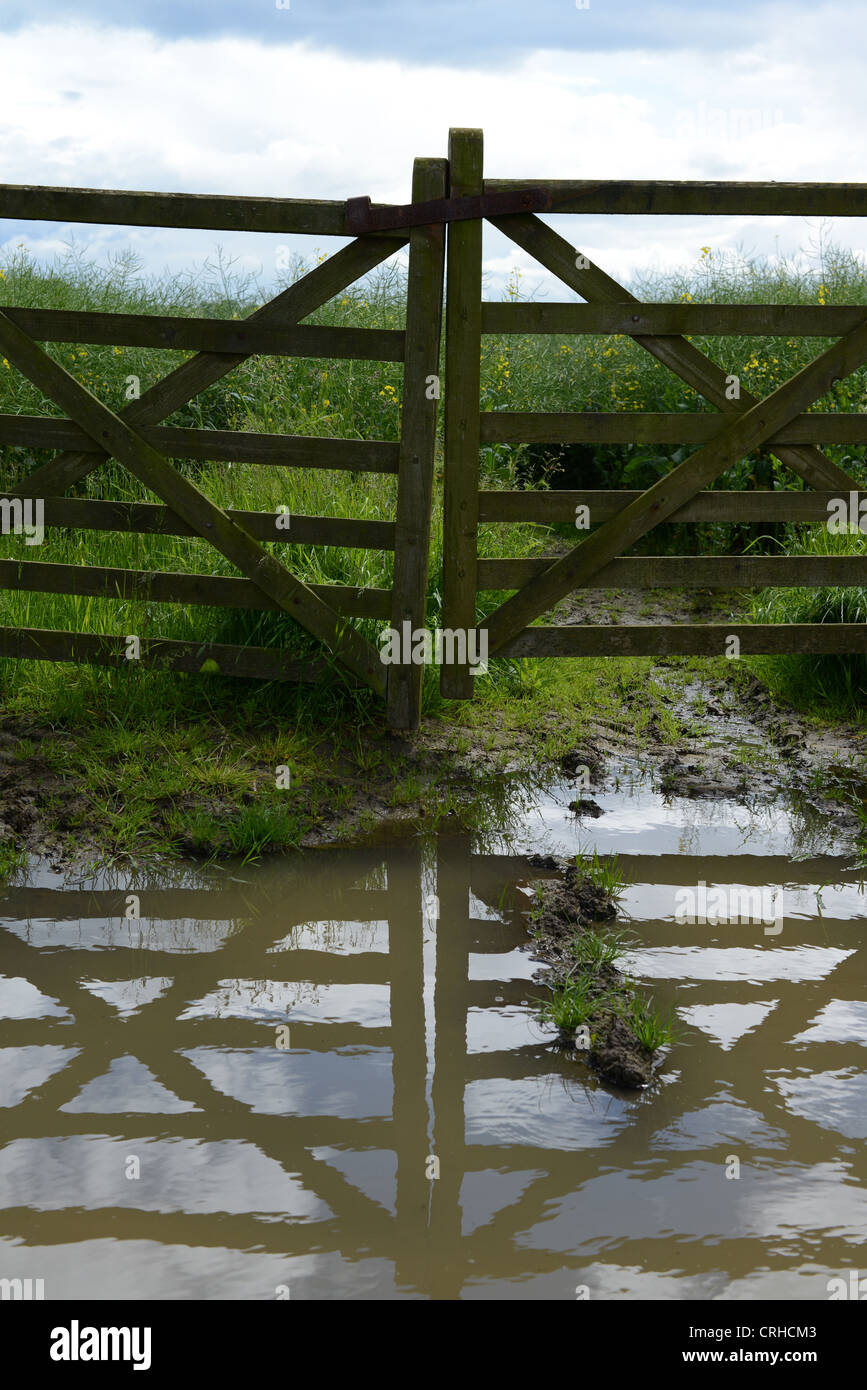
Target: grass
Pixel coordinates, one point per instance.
(652, 1029)
(594, 952)
(11, 860)
(572, 1004)
(839, 683)
(603, 871)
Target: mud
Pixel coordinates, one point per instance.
(741, 744)
(567, 906)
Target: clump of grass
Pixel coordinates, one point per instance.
(11, 860)
(572, 1003)
(594, 951)
(603, 871)
(651, 1028)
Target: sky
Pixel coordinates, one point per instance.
(332, 99)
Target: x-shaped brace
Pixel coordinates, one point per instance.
(754, 423)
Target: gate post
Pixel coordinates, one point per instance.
(424, 312)
(462, 405)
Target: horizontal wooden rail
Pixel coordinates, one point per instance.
(234, 446)
(679, 198)
(658, 427)
(205, 211)
(550, 507)
(707, 320)
(151, 518)
(218, 591)
(692, 571)
(325, 217)
(255, 663)
(233, 336)
(702, 639)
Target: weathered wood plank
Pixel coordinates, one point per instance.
(692, 572)
(205, 211)
(675, 197)
(463, 385)
(216, 446)
(207, 335)
(686, 639)
(168, 586)
(559, 505)
(149, 518)
(256, 663)
(424, 311)
(193, 376)
(741, 435)
(382, 456)
(191, 505)
(683, 358)
(701, 320)
(657, 427)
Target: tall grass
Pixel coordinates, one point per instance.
(839, 681)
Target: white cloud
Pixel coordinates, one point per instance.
(236, 115)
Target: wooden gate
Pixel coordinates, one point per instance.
(90, 433)
(741, 426)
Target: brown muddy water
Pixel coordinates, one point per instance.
(158, 1142)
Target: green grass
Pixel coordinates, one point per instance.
(11, 860)
(604, 871)
(838, 683)
(572, 1004)
(594, 951)
(652, 1029)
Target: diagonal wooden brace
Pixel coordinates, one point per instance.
(746, 432)
(201, 371)
(112, 434)
(682, 357)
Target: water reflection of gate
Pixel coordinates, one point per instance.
(63, 942)
(221, 994)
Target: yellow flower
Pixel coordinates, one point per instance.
(117, 351)
(5, 363)
(705, 250)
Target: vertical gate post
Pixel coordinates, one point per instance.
(463, 349)
(424, 312)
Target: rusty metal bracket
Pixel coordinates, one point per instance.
(361, 217)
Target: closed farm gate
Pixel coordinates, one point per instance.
(454, 192)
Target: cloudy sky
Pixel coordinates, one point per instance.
(333, 98)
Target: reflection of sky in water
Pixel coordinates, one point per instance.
(736, 963)
(175, 1175)
(836, 1100)
(352, 1082)
(545, 1112)
(299, 1001)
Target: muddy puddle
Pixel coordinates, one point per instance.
(324, 1077)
